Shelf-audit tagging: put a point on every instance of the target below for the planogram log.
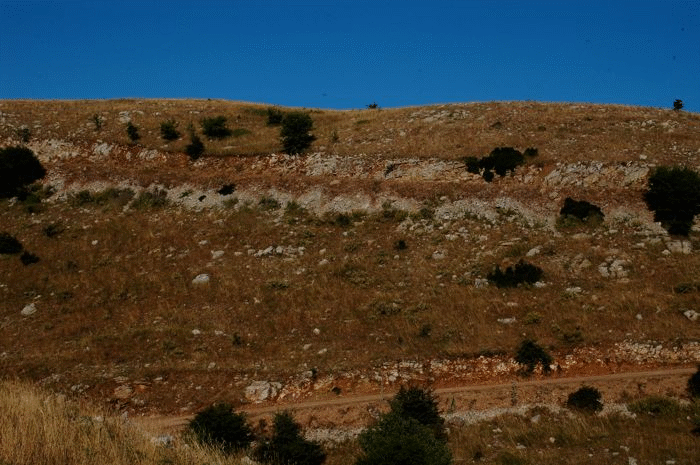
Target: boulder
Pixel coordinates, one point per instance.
(260, 391)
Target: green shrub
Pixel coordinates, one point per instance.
(678, 104)
(421, 405)
(132, 131)
(655, 406)
(694, 384)
(295, 134)
(238, 132)
(398, 439)
(586, 399)
(168, 130)
(472, 164)
(530, 354)
(274, 116)
(674, 197)
(97, 121)
(503, 159)
(19, 167)
(9, 245)
(151, 199)
(287, 446)
(227, 189)
(195, 148)
(28, 258)
(521, 273)
(581, 210)
(215, 127)
(373, 106)
(219, 426)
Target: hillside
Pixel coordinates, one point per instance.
(165, 284)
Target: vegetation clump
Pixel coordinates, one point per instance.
(581, 210)
(19, 167)
(694, 385)
(655, 406)
(287, 446)
(586, 399)
(674, 197)
(195, 148)
(521, 273)
(412, 432)
(215, 127)
(274, 116)
(501, 160)
(9, 245)
(219, 426)
(168, 130)
(295, 132)
(132, 131)
(531, 354)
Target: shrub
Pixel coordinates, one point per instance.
(24, 134)
(19, 167)
(531, 152)
(655, 406)
(373, 106)
(678, 104)
(227, 189)
(148, 199)
(168, 130)
(674, 197)
(274, 116)
(581, 210)
(9, 245)
(472, 164)
(504, 159)
(215, 127)
(398, 439)
(132, 131)
(195, 148)
(219, 426)
(530, 354)
(694, 384)
(522, 272)
(97, 121)
(28, 258)
(421, 405)
(586, 399)
(287, 446)
(295, 132)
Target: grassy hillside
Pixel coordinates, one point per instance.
(359, 265)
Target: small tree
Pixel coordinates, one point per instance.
(398, 439)
(586, 399)
(9, 244)
(287, 446)
(295, 132)
(19, 167)
(694, 384)
(530, 354)
(219, 426)
(521, 273)
(421, 405)
(133, 132)
(274, 116)
(674, 197)
(215, 128)
(168, 130)
(678, 104)
(195, 148)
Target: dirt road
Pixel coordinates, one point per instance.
(357, 411)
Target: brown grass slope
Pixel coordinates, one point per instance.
(336, 303)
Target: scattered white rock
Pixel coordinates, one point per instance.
(123, 392)
(639, 317)
(507, 321)
(533, 251)
(323, 262)
(692, 315)
(196, 332)
(681, 247)
(317, 331)
(201, 279)
(217, 254)
(481, 283)
(438, 255)
(29, 309)
(322, 351)
(259, 391)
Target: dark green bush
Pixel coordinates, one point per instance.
(287, 446)
(398, 439)
(274, 116)
(227, 189)
(531, 152)
(531, 354)
(694, 384)
(521, 273)
(678, 104)
(421, 405)
(674, 197)
(581, 210)
(97, 121)
(9, 245)
(473, 165)
(373, 106)
(504, 159)
(219, 426)
(28, 258)
(195, 148)
(19, 167)
(24, 134)
(586, 399)
(215, 127)
(295, 132)
(132, 131)
(168, 130)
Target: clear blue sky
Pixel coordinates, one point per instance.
(347, 54)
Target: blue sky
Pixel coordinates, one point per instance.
(347, 54)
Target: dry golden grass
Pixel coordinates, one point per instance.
(41, 429)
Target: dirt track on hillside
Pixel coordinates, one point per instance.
(350, 412)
